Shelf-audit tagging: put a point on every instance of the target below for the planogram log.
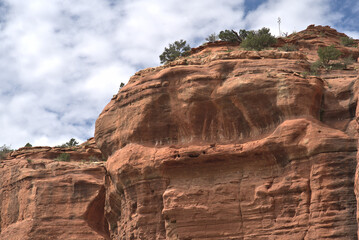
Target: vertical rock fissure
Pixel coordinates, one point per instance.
(309, 200)
(321, 108)
(95, 217)
(239, 205)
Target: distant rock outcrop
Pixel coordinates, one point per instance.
(42, 197)
(87, 151)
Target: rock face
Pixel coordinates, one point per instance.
(222, 144)
(234, 144)
(41, 198)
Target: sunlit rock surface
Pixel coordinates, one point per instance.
(222, 144)
(235, 144)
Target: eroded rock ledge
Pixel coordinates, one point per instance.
(44, 198)
(234, 144)
(295, 183)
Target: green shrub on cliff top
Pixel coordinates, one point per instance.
(175, 50)
(212, 37)
(71, 143)
(233, 36)
(258, 40)
(229, 36)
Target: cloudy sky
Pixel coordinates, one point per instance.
(61, 61)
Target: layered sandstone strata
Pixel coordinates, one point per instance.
(222, 144)
(234, 144)
(43, 198)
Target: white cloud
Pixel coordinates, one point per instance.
(295, 15)
(352, 34)
(150, 25)
(61, 60)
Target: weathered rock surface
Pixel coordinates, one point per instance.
(286, 185)
(222, 144)
(42, 198)
(234, 144)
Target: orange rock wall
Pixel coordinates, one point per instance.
(42, 199)
(234, 144)
(222, 144)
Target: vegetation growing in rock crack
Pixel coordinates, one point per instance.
(174, 50)
(288, 47)
(348, 60)
(258, 40)
(65, 157)
(347, 41)
(314, 67)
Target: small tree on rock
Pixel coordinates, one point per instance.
(229, 36)
(212, 37)
(175, 50)
(328, 53)
(72, 143)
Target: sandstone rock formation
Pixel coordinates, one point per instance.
(42, 198)
(222, 144)
(234, 144)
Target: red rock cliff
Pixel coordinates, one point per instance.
(234, 144)
(42, 198)
(222, 144)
